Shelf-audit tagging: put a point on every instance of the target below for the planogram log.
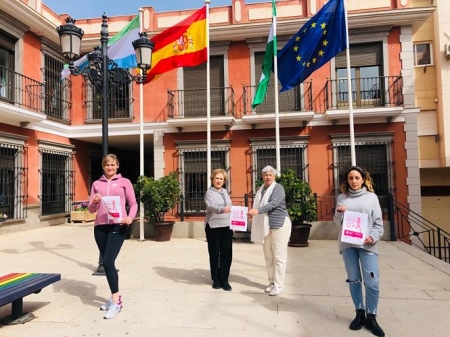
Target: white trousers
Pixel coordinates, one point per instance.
(275, 252)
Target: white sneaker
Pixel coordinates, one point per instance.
(275, 291)
(269, 287)
(105, 306)
(114, 309)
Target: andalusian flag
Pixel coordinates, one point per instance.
(120, 49)
(271, 51)
(182, 45)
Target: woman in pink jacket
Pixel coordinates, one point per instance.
(109, 232)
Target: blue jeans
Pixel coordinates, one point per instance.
(359, 260)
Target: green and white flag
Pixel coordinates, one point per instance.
(271, 51)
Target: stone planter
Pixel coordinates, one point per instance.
(81, 216)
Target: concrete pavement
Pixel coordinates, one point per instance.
(167, 290)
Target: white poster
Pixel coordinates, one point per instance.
(354, 228)
(112, 205)
(238, 218)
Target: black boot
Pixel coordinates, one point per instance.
(372, 325)
(359, 320)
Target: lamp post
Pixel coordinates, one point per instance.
(103, 73)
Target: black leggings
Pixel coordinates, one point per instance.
(220, 248)
(109, 239)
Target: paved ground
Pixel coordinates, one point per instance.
(167, 290)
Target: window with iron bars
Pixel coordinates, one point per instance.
(57, 181)
(194, 176)
(375, 157)
(119, 100)
(292, 157)
(56, 91)
(13, 179)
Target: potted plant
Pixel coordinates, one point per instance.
(159, 196)
(80, 212)
(301, 206)
(3, 217)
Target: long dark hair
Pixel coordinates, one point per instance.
(367, 179)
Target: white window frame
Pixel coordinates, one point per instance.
(416, 54)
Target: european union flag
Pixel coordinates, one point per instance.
(317, 42)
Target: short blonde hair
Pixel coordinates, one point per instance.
(216, 172)
(109, 157)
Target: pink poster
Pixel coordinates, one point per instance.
(112, 205)
(354, 228)
(238, 218)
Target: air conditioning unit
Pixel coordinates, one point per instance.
(447, 51)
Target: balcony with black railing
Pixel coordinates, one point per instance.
(295, 106)
(368, 92)
(24, 92)
(295, 100)
(191, 103)
(119, 103)
(20, 90)
(188, 107)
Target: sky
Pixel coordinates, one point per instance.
(84, 9)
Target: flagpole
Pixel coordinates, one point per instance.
(277, 108)
(350, 93)
(141, 139)
(208, 102)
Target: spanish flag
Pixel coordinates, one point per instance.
(182, 45)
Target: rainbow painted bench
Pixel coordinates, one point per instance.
(15, 286)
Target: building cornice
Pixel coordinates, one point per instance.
(37, 23)
(356, 21)
(397, 17)
(43, 27)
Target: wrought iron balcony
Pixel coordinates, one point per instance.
(297, 99)
(191, 103)
(21, 90)
(368, 92)
(27, 93)
(119, 103)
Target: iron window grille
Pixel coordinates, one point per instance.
(120, 99)
(293, 156)
(57, 181)
(57, 91)
(194, 176)
(13, 178)
(375, 156)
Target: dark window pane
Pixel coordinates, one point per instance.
(56, 189)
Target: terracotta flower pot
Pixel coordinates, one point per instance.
(163, 231)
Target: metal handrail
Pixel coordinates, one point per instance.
(416, 230)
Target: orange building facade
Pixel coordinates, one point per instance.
(50, 129)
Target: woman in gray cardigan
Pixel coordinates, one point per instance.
(218, 232)
(361, 262)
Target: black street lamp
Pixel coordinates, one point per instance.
(103, 72)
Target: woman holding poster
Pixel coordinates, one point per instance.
(361, 261)
(271, 226)
(218, 232)
(109, 195)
